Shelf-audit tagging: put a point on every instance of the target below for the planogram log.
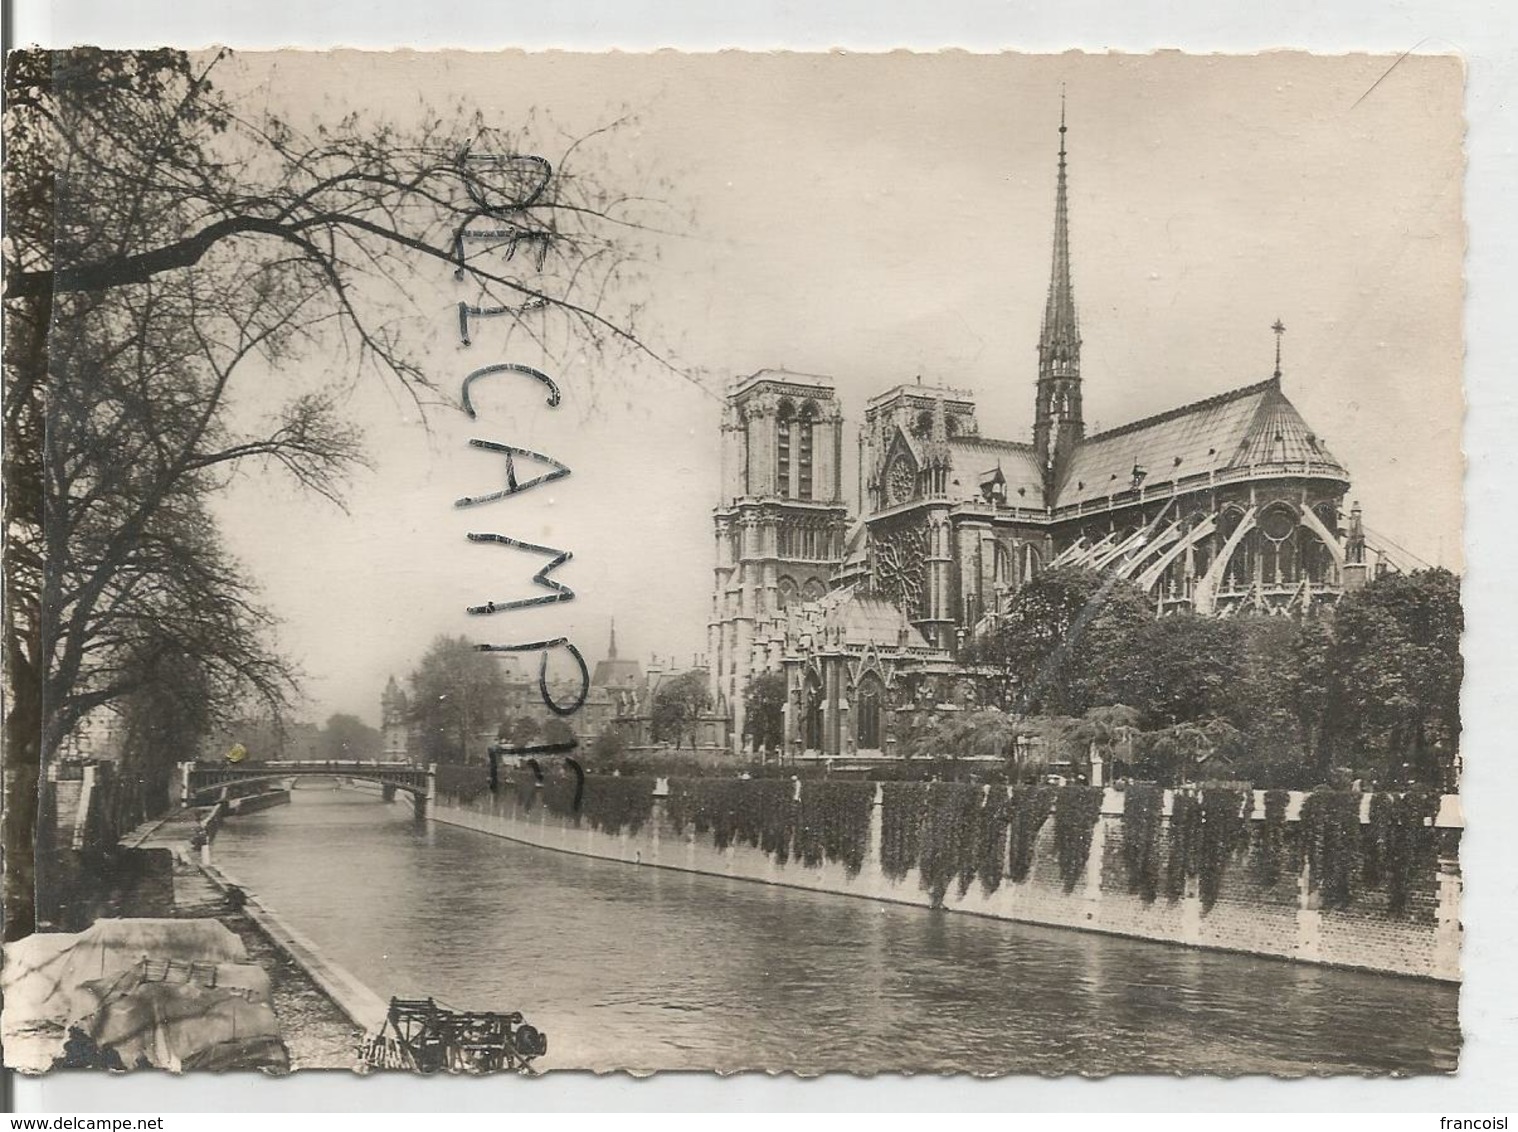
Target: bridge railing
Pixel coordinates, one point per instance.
(201, 779)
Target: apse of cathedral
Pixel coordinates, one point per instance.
(1230, 506)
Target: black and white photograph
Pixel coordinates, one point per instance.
(901, 563)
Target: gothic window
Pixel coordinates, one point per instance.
(785, 592)
(1318, 559)
(1238, 566)
(784, 424)
(813, 590)
(748, 456)
(1174, 579)
(811, 729)
(1001, 569)
(1279, 550)
(901, 480)
(869, 699)
(900, 564)
(1278, 522)
(1033, 562)
(1246, 561)
(1200, 554)
(804, 452)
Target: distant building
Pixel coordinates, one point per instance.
(635, 709)
(395, 722)
(616, 673)
(620, 697)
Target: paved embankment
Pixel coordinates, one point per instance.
(323, 1010)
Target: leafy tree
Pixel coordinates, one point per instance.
(455, 692)
(1107, 730)
(1177, 668)
(984, 733)
(557, 731)
(1270, 703)
(919, 734)
(1313, 689)
(1178, 752)
(609, 746)
(1062, 642)
(678, 704)
(1394, 672)
(349, 737)
(764, 711)
(520, 731)
(974, 734)
(1048, 739)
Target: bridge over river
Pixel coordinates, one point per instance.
(203, 784)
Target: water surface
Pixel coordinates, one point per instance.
(643, 968)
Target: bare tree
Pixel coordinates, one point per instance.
(166, 244)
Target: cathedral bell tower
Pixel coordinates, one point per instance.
(779, 526)
(1058, 425)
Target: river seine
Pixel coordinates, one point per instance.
(642, 968)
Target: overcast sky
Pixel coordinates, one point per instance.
(875, 218)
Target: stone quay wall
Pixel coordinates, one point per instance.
(1284, 919)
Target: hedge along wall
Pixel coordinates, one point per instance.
(1332, 877)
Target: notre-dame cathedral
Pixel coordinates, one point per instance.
(1228, 506)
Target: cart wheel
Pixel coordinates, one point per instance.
(529, 1042)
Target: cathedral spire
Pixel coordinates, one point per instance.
(1061, 333)
(1058, 424)
(611, 649)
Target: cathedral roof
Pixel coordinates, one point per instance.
(856, 547)
(974, 457)
(860, 619)
(617, 673)
(779, 376)
(1252, 426)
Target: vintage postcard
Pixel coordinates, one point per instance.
(780, 562)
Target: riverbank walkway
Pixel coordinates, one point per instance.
(317, 1034)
